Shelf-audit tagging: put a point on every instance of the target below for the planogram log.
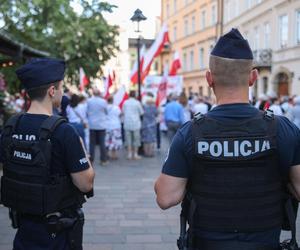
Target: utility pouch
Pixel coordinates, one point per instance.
(14, 217)
(76, 232)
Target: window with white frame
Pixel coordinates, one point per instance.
(298, 26)
(203, 17)
(191, 60)
(168, 10)
(267, 34)
(201, 58)
(175, 6)
(174, 33)
(248, 4)
(184, 66)
(186, 27)
(256, 38)
(213, 15)
(226, 11)
(283, 30)
(193, 25)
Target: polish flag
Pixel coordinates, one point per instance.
(162, 88)
(155, 50)
(120, 96)
(134, 72)
(107, 84)
(176, 65)
(83, 80)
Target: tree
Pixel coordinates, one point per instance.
(82, 39)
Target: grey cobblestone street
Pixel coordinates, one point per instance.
(123, 214)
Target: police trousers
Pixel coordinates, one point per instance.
(200, 244)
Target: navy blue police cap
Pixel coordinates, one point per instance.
(41, 71)
(233, 46)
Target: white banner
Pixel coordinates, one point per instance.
(151, 84)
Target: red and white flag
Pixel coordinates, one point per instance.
(107, 85)
(176, 64)
(120, 96)
(134, 72)
(155, 50)
(162, 88)
(83, 80)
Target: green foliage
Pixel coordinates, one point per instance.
(82, 39)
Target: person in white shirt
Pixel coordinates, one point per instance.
(97, 116)
(74, 117)
(132, 110)
(200, 106)
(82, 111)
(113, 139)
(275, 107)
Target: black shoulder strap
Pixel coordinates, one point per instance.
(49, 125)
(11, 124)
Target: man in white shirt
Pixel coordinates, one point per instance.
(97, 115)
(200, 106)
(132, 110)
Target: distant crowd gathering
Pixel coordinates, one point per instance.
(99, 121)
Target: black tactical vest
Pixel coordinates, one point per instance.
(28, 184)
(235, 185)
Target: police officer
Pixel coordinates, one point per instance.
(229, 164)
(45, 168)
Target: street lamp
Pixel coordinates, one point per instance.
(137, 17)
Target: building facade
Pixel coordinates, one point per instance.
(194, 26)
(272, 28)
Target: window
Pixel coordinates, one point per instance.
(227, 11)
(184, 66)
(265, 84)
(186, 27)
(283, 30)
(201, 90)
(191, 60)
(168, 10)
(209, 91)
(175, 6)
(256, 39)
(298, 27)
(201, 58)
(248, 4)
(174, 33)
(213, 15)
(267, 34)
(203, 16)
(193, 25)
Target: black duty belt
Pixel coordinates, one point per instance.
(203, 244)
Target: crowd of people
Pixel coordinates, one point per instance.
(138, 125)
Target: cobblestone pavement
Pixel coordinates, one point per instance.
(123, 215)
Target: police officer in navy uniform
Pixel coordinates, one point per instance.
(46, 171)
(230, 165)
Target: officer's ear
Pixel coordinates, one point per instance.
(51, 91)
(209, 78)
(253, 77)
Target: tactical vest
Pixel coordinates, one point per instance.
(235, 184)
(28, 184)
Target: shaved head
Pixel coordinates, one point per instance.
(230, 72)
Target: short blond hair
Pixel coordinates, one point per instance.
(230, 72)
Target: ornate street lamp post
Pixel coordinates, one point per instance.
(137, 17)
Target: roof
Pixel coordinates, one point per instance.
(17, 49)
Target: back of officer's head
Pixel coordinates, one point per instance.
(39, 74)
(231, 60)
